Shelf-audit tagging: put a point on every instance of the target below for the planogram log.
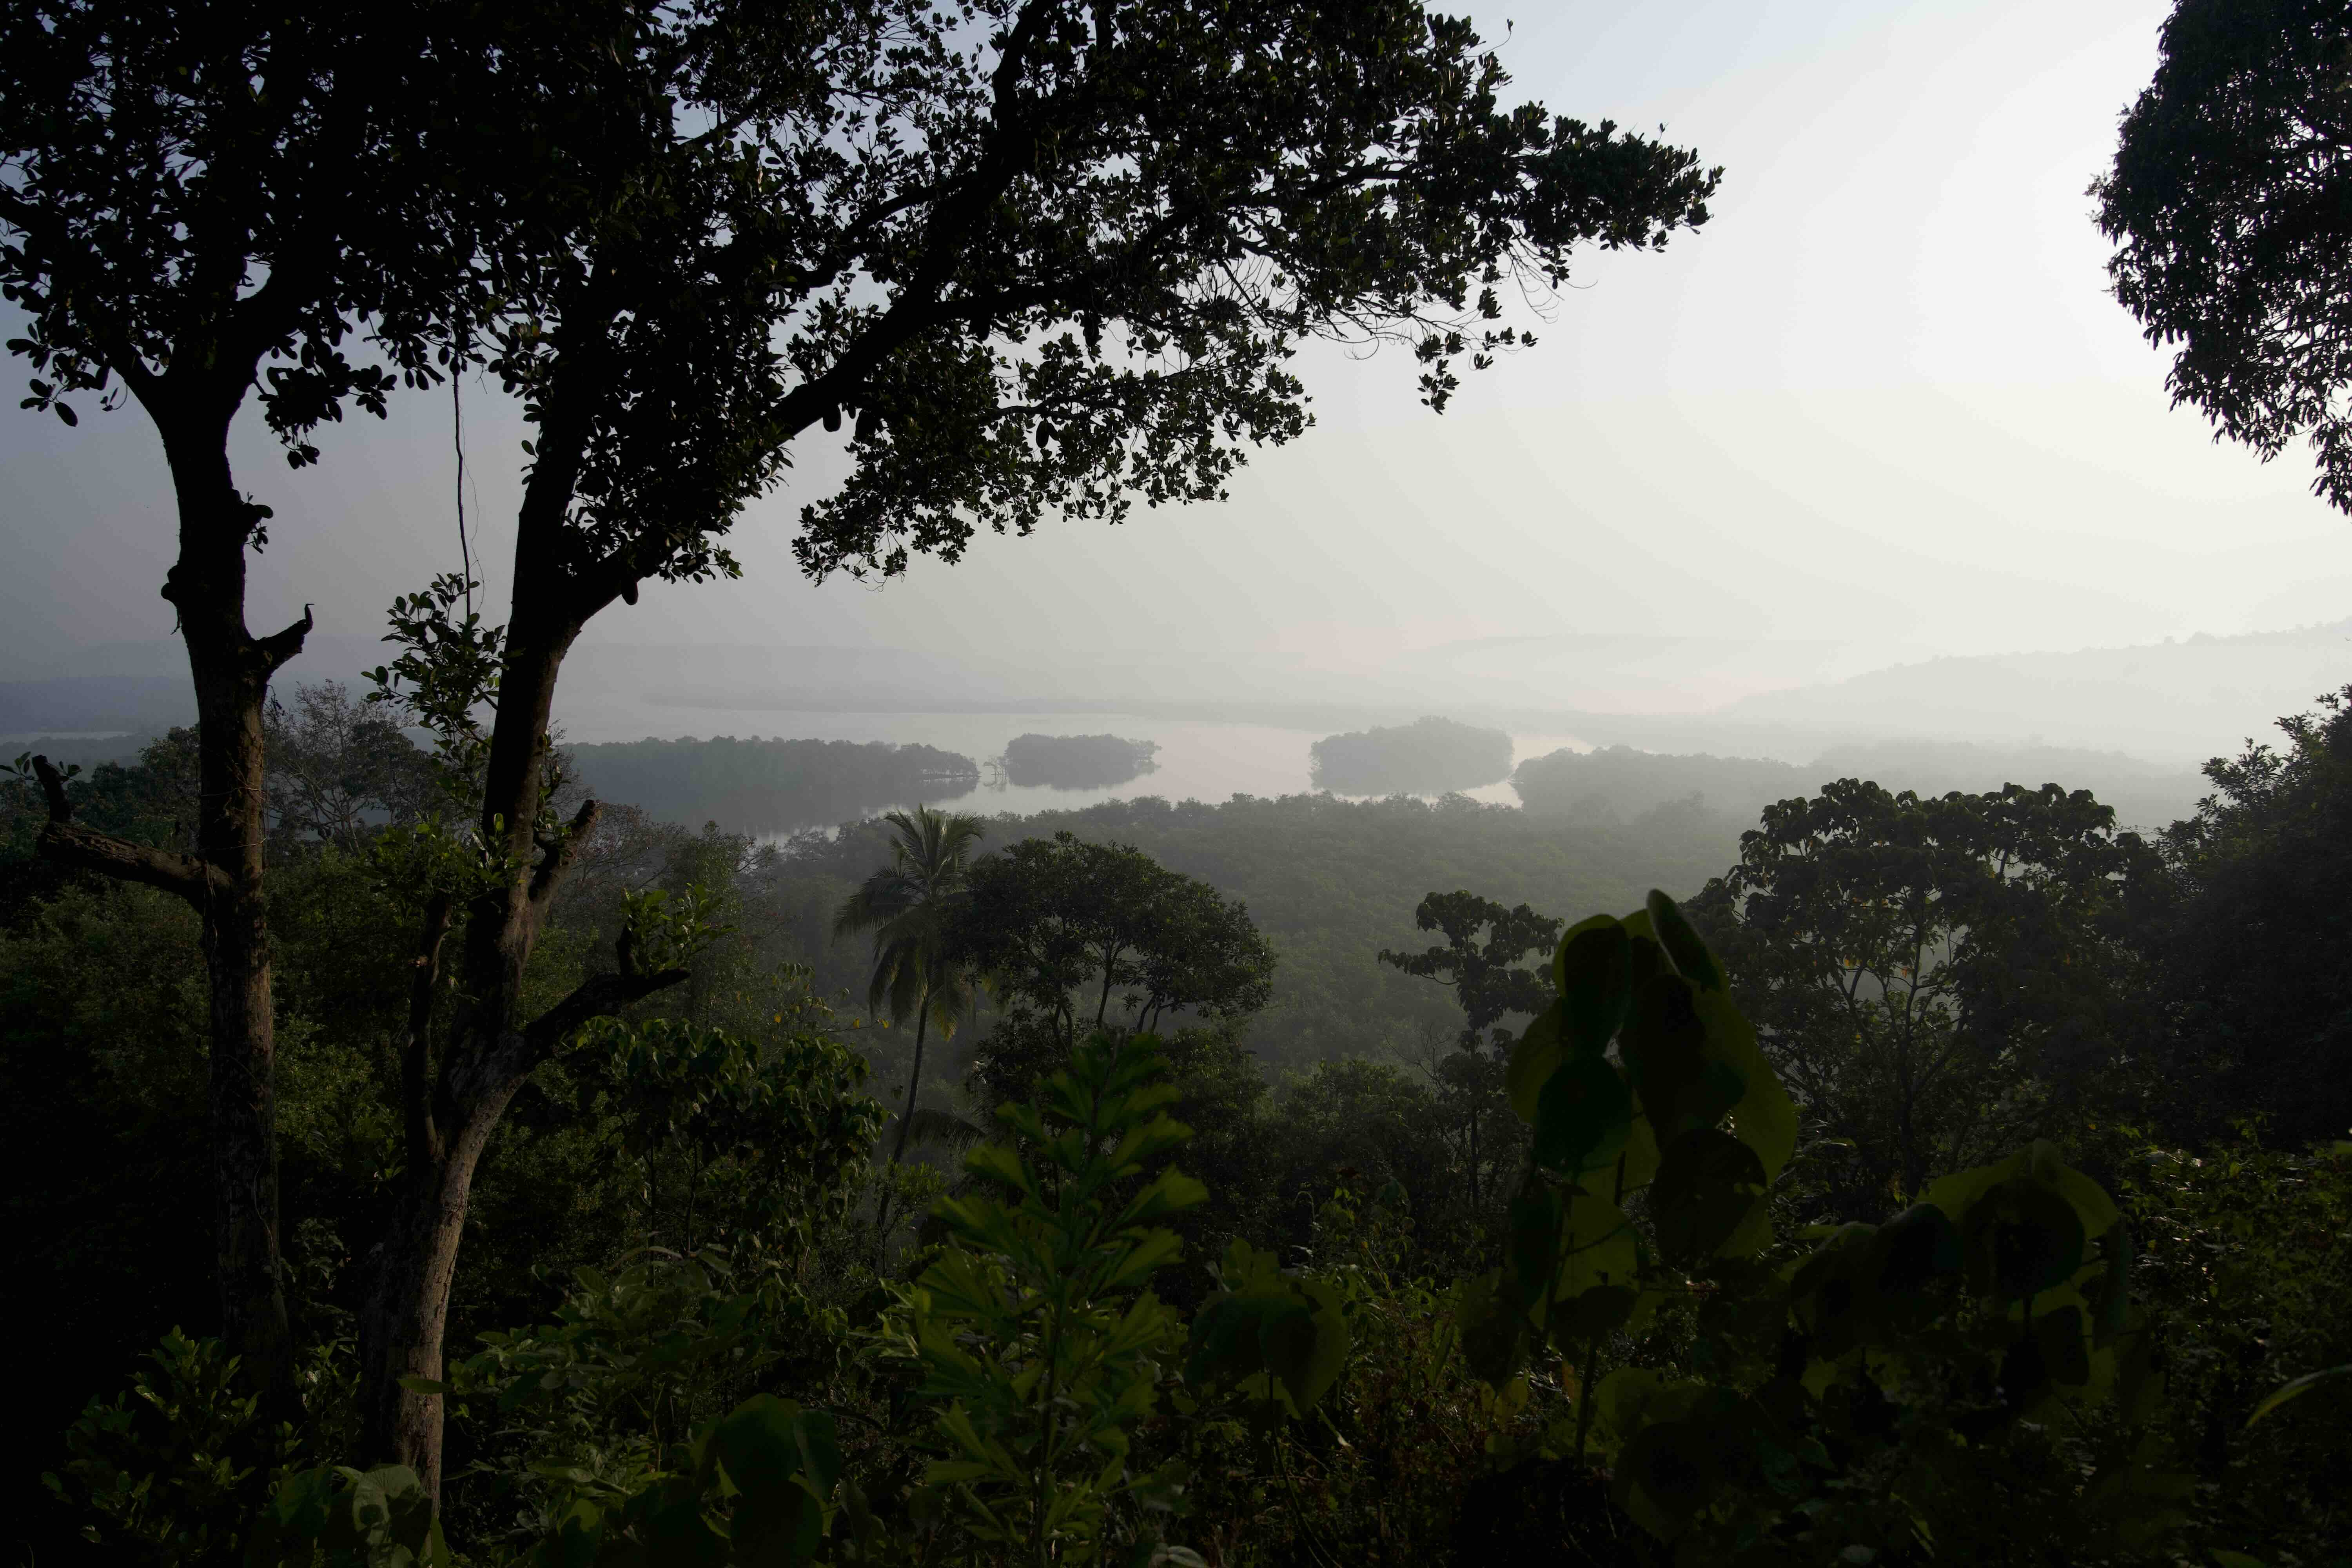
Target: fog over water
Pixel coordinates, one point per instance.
(1198, 760)
(1872, 454)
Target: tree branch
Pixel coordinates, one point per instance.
(596, 997)
(416, 1084)
(275, 649)
(68, 843)
(559, 857)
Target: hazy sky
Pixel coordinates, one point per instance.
(1882, 400)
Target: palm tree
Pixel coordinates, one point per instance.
(905, 905)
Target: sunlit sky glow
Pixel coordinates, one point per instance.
(1881, 406)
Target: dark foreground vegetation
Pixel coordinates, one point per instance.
(720, 1196)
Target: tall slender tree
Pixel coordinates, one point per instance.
(907, 904)
(202, 204)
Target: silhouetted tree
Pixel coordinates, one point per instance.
(909, 905)
(1065, 927)
(2262, 999)
(2231, 199)
(1028, 258)
(1931, 977)
(204, 204)
(1491, 980)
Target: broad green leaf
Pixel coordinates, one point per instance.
(1708, 1185)
(1591, 1315)
(1595, 972)
(1691, 958)
(2296, 1390)
(1535, 1056)
(1493, 1328)
(1597, 922)
(1664, 1044)
(1001, 1164)
(1599, 1247)
(2062, 1336)
(1665, 1475)
(1763, 1117)
(2022, 1239)
(1535, 1245)
(1583, 1115)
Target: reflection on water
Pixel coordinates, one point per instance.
(1196, 760)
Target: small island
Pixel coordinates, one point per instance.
(758, 785)
(1428, 756)
(1078, 762)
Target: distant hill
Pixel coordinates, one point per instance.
(96, 703)
(1619, 782)
(2184, 701)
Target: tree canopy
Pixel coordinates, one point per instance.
(2229, 201)
(2264, 1008)
(1067, 927)
(1931, 973)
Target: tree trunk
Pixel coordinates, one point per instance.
(488, 1054)
(914, 1078)
(223, 881)
(405, 1319)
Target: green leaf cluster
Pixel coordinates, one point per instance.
(338, 1517)
(1855, 1396)
(1034, 1324)
(1641, 1078)
(759, 1487)
(1282, 1336)
(170, 1470)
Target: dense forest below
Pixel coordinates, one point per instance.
(1330, 882)
(1321, 1066)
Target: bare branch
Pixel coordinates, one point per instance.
(68, 843)
(280, 646)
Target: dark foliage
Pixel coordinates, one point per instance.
(1938, 979)
(2253, 954)
(2230, 200)
(1063, 927)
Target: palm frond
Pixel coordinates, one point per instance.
(903, 905)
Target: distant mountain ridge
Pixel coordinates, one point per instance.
(2181, 700)
(1619, 783)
